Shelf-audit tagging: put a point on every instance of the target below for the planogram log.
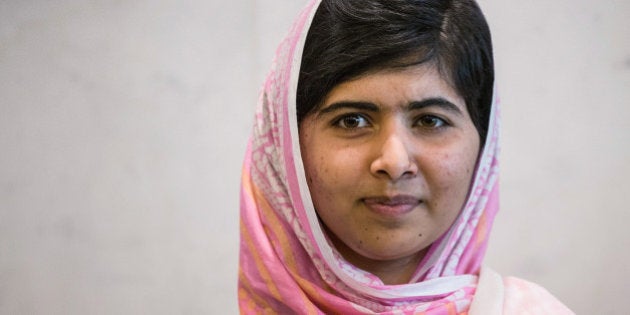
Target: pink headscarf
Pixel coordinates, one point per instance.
(286, 263)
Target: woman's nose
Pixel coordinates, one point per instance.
(395, 157)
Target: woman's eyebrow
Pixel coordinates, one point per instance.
(435, 101)
(367, 106)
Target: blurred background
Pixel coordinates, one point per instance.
(123, 126)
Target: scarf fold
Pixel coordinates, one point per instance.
(286, 263)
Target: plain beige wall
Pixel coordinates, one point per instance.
(123, 125)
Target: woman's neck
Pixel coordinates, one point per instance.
(391, 272)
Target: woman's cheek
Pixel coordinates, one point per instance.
(341, 165)
(322, 178)
(451, 173)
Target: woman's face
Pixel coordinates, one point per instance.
(389, 159)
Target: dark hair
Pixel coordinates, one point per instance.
(349, 38)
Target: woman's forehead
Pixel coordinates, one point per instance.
(401, 86)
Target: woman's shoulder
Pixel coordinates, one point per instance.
(524, 297)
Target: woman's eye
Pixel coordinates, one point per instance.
(430, 121)
(352, 121)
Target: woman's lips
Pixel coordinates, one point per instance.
(392, 206)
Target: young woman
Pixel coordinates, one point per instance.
(370, 181)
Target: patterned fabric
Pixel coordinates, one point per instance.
(286, 263)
